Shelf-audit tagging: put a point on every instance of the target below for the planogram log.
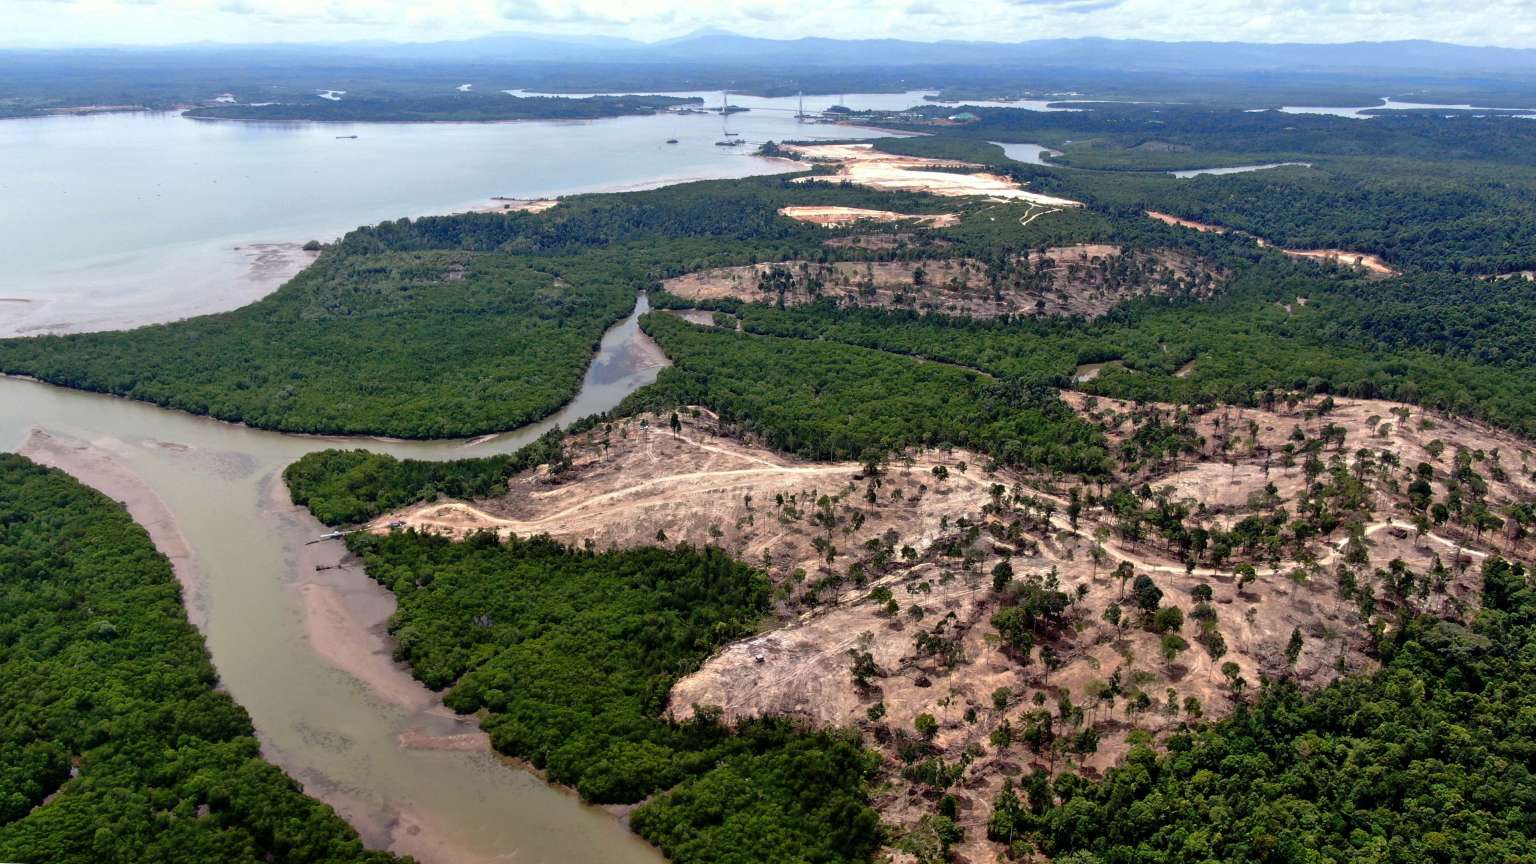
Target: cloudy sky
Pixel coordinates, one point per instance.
(1510, 23)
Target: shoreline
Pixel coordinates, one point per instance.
(341, 440)
(348, 636)
(296, 120)
(535, 426)
(346, 615)
(228, 277)
(97, 468)
(262, 268)
(267, 266)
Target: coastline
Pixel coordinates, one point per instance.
(340, 440)
(237, 270)
(230, 277)
(187, 115)
(98, 469)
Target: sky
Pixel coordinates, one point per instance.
(42, 23)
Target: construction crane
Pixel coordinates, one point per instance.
(730, 139)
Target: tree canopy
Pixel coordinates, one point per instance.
(114, 743)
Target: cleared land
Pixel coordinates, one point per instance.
(500, 204)
(1085, 279)
(865, 166)
(1341, 257)
(843, 546)
(840, 216)
(636, 482)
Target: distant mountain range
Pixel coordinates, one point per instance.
(715, 47)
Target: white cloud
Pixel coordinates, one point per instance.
(547, 12)
(1497, 22)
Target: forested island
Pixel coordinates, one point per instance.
(115, 743)
(460, 107)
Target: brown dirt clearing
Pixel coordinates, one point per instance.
(863, 165)
(843, 216)
(930, 545)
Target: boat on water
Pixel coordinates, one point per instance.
(671, 140)
(341, 137)
(729, 143)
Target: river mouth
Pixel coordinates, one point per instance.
(296, 628)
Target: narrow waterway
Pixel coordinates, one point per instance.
(1029, 154)
(1236, 169)
(370, 741)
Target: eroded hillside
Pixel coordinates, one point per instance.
(977, 624)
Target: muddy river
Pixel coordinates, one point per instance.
(303, 649)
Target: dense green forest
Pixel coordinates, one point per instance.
(455, 106)
(1429, 759)
(1446, 341)
(413, 344)
(823, 400)
(1466, 217)
(114, 744)
(1138, 137)
(571, 656)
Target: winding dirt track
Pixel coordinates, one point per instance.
(441, 515)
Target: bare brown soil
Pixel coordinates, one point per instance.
(843, 216)
(1202, 227)
(865, 166)
(702, 317)
(1086, 279)
(699, 487)
(1342, 257)
(932, 543)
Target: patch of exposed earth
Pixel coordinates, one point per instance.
(900, 565)
(1373, 264)
(844, 216)
(863, 165)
